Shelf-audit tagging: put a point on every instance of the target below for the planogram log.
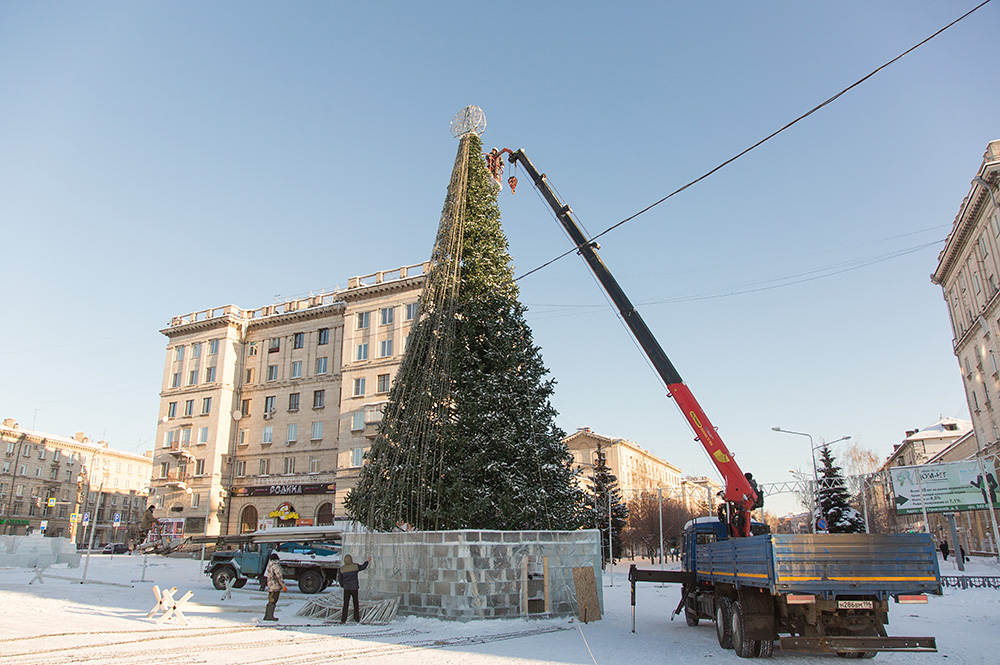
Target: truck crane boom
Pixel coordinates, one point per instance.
(740, 495)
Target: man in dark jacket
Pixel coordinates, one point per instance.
(347, 576)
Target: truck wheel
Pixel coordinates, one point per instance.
(221, 576)
(310, 581)
(765, 648)
(239, 584)
(724, 622)
(743, 647)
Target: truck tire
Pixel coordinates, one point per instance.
(239, 584)
(743, 647)
(222, 575)
(310, 581)
(765, 648)
(724, 621)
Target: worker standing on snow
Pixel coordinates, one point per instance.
(347, 576)
(275, 585)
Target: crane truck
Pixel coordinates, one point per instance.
(811, 592)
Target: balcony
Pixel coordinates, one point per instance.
(176, 479)
(181, 450)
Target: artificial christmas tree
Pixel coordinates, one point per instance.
(605, 508)
(468, 438)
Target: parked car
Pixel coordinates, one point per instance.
(115, 548)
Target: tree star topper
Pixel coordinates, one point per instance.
(470, 120)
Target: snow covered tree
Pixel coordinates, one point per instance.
(833, 497)
(604, 490)
(468, 438)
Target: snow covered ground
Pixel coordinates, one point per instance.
(63, 621)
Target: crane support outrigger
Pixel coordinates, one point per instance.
(740, 496)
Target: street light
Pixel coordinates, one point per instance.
(812, 455)
(979, 180)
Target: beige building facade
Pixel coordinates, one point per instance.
(265, 414)
(968, 272)
(49, 483)
(636, 469)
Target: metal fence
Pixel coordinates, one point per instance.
(970, 582)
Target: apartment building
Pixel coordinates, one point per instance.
(636, 469)
(68, 486)
(968, 272)
(265, 414)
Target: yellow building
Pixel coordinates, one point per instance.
(636, 469)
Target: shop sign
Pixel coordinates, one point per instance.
(296, 489)
(13, 521)
(284, 512)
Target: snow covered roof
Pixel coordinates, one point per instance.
(945, 428)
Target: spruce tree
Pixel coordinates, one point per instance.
(468, 438)
(833, 498)
(604, 484)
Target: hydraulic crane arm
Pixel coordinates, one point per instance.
(740, 496)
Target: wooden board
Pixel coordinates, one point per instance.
(587, 604)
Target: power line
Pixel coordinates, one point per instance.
(763, 140)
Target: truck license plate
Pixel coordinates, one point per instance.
(855, 604)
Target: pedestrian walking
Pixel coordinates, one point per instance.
(275, 585)
(944, 549)
(347, 577)
(961, 551)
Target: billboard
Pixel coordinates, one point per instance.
(943, 488)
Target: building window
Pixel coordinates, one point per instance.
(196, 350)
(298, 340)
(357, 421)
(41, 455)
(313, 465)
(249, 376)
(357, 456)
(245, 407)
(383, 383)
(193, 377)
(363, 320)
(213, 347)
(159, 501)
(172, 410)
(203, 435)
(186, 436)
(321, 365)
(319, 398)
(252, 349)
(241, 468)
(359, 386)
(293, 433)
(385, 348)
(293, 402)
(317, 431)
(206, 406)
(210, 374)
(975, 283)
(324, 336)
(272, 372)
(189, 407)
(178, 353)
(164, 469)
(199, 467)
(297, 369)
(385, 315)
(274, 345)
(195, 500)
(242, 437)
(267, 436)
(410, 310)
(269, 404)
(175, 380)
(265, 467)
(373, 413)
(289, 465)
(362, 353)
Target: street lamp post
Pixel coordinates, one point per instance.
(812, 455)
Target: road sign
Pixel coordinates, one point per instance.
(74, 518)
(86, 518)
(52, 502)
(821, 524)
(43, 525)
(118, 520)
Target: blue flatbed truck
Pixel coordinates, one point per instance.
(811, 592)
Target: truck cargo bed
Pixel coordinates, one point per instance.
(827, 565)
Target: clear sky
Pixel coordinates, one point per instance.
(162, 158)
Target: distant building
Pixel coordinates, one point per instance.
(45, 479)
(636, 469)
(700, 494)
(265, 414)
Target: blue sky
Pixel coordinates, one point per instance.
(162, 158)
